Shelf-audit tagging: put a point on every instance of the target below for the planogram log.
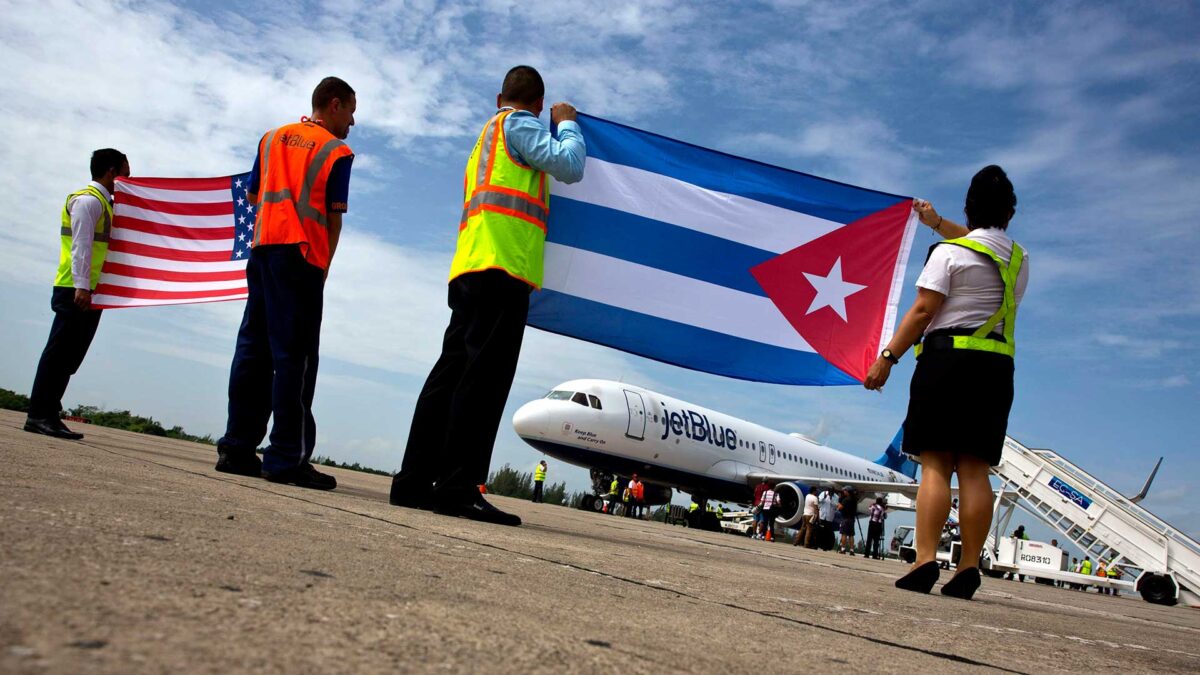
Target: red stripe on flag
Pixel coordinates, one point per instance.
(194, 233)
(124, 292)
(180, 183)
(171, 275)
(124, 246)
(178, 208)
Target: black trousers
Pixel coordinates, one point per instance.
(874, 539)
(275, 361)
(71, 334)
(458, 412)
(537, 490)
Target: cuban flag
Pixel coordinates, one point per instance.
(722, 264)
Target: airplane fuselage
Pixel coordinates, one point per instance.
(623, 429)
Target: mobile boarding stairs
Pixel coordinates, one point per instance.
(1102, 522)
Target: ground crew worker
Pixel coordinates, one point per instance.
(720, 512)
(539, 477)
(1102, 571)
(1085, 568)
(639, 497)
(85, 225)
(1114, 573)
(610, 500)
(693, 507)
(964, 319)
(299, 185)
(498, 262)
(627, 499)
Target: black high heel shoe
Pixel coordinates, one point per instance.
(921, 579)
(963, 585)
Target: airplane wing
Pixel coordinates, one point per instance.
(862, 486)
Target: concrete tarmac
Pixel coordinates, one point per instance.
(125, 553)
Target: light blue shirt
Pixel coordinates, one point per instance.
(531, 143)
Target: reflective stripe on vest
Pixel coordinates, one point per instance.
(296, 160)
(99, 240)
(979, 340)
(505, 208)
(539, 473)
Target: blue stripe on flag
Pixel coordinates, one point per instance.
(816, 196)
(656, 244)
(680, 344)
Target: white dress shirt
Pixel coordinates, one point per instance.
(970, 281)
(85, 210)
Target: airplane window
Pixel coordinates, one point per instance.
(580, 398)
(594, 401)
(559, 395)
(656, 418)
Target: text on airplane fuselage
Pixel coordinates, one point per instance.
(694, 426)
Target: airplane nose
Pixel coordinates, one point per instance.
(530, 420)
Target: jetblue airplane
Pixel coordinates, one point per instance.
(617, 429)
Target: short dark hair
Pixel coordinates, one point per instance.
(105, 160)
(524, 85)
(329, 89)
(990, 199)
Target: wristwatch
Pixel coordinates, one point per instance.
(887, 354)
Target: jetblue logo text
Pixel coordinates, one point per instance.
(694, 426)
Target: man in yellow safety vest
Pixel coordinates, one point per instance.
(539, 479)
(84, 229)
(497, 264)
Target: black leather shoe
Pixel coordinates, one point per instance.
(240, 462)
(305, 476)
(51, 427)
(963, 585)
(474, 507)
(921, 579)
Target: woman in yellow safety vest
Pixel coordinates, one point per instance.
(962, 325)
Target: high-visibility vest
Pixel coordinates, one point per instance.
(539, 472)
(616, 485)
(505, 207)
(693, 507)
(639, 491)
(294, 167)
(1086, 567)
(1113, 572)
(1007, 313)
(1101, 571)
(99, 240)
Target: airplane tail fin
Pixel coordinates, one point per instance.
(895, 459)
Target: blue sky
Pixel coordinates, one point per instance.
(1091, 107)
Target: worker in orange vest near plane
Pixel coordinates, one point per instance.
(299, 185)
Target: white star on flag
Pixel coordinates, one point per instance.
(241, 201)
(241, 219)
(250, 208)
(242, 237)
(832, 290)
(238, 253)
(237, 183)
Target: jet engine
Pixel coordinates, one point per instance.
(791, 504)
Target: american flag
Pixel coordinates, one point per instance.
(176, 241)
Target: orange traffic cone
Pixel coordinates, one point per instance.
(769, 538)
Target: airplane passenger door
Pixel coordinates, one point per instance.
(762, 451)
(771, 453)
(637, 415)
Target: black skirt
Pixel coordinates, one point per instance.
(959, 402)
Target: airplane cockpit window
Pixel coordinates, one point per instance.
(559, 395)
(580, 398)
(594, 401)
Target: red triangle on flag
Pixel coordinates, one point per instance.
(834, 290)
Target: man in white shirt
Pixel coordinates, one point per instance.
(827, 506)
(808, 521)
(770, 500)
(86, 223)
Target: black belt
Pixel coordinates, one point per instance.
(943, 338)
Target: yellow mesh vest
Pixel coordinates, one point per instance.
(505, 207)
(99, 241)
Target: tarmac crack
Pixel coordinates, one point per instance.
(945, 656)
